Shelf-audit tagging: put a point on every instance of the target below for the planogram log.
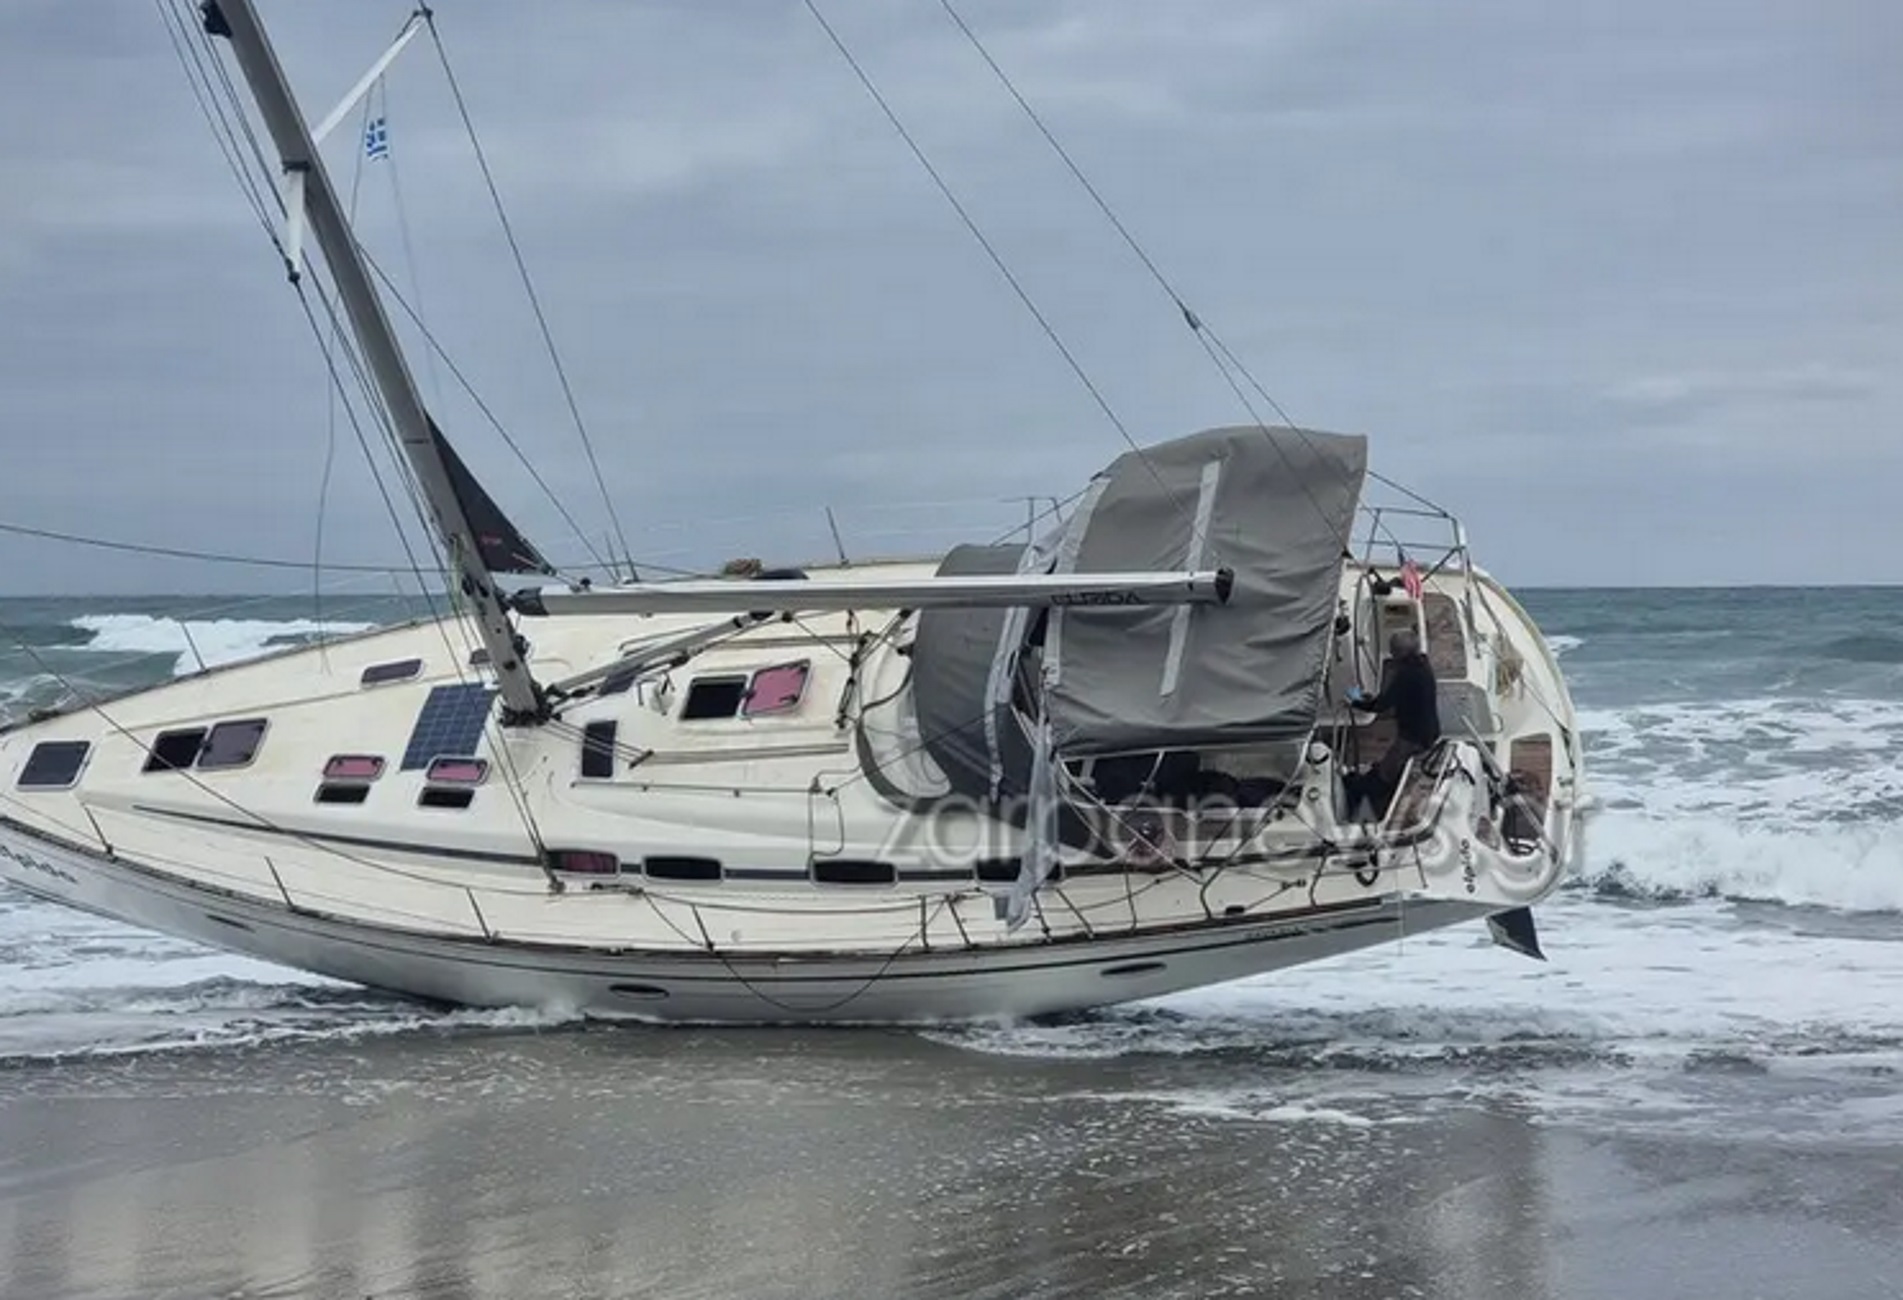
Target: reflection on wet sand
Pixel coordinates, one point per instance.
(688, 1164)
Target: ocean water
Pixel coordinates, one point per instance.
(1728, 960)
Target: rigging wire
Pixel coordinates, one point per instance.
(1212, 344)
(178, 31)
(352, 356)
(265, 562)
(330, 409)
(435, 348)
(266, 173)
(991, 251)
(181, 553)
(403, 233)
(528, 284)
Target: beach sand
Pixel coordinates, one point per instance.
(686, 1163)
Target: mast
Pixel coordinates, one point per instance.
(430, 457)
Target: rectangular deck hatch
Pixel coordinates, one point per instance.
(598, 750)
(54, 764)
(175, 751)
(776, 690)
(397, 670)
(231, 744)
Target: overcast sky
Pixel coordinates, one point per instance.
(1620, 283)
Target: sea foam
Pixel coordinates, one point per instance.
(217, 640)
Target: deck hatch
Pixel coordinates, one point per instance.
(54, 764)
(451, 722)
(598, 750)
(231, 744)
(353, 767)
(776, 690)
(397, 670)
(713, 697)
(175, 751)
(458, 771)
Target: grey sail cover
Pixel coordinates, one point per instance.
(1275, 506)
(961, 661)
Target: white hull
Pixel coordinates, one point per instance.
(960, 984)
(457, 904)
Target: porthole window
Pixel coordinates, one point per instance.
(668, 867)
(853, 871)
(583, 862)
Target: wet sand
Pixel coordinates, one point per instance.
(785, 1164)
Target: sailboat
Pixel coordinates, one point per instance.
(1109, 761)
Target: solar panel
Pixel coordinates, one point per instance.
(451, 723)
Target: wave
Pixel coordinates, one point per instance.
(1675, 989)
(1849, 868)
(42, 636)
(1560, 643)
(1247, 1021)
(1864, 648)
(217, 641)
(218, 993)
(53, 1023)
(1784, 800)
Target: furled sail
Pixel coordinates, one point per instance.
(504, 549)
(1274, 506)
(962, 661)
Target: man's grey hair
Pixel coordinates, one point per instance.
(1404, 643)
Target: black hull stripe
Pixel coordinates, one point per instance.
(926, 875)
(332, 837)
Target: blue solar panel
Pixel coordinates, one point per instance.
(451, 723)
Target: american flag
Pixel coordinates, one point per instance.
(1411, 578)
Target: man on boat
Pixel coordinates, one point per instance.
(1412, 697)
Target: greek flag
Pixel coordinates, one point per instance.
(376, 139)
